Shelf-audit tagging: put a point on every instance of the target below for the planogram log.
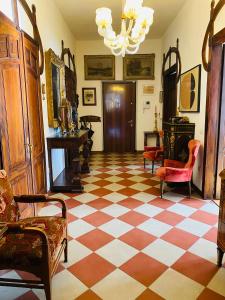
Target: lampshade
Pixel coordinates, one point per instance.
(103, 17)
(146, 16)
(132, 8)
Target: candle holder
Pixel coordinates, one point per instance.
(157, 115)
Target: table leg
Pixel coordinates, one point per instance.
(76, 172)
(86, 153)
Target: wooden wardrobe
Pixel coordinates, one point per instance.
(21, 123)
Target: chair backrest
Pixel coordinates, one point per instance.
(9, 211)
(193, 146)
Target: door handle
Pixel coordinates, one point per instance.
(30, 147)
(130, 122)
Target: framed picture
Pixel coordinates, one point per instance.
(190, 88)
(89, 96)
(99, 67)
(139, 67)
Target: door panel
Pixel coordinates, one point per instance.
(170, 94)
(13, 112)
(34, 114)
(119, 101)
(221, 139)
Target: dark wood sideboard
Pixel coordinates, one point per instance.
(69, 180)
(176, 138)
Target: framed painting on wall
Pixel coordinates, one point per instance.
(99, 67)
(190, 88)
(89, 96)
(139, 67)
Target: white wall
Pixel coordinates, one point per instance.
(145, 119)
(190, 26)
(53, 29)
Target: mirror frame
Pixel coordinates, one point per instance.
(52, 58)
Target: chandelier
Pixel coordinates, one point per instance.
(136, 22)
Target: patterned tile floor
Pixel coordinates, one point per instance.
(126, 243)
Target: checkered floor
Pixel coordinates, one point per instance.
(126, 243)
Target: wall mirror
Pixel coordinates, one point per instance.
(55, 86)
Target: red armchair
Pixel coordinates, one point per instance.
(153, 153)
(176, 171)
(33, 245)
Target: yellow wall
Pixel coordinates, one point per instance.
(144, 119)
(190, 26)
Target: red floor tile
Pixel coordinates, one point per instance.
(95, 239)
(204, 217)
(162, 203)
(169, 218)
(88, 295)
(208, 294)
(180, 238)
(103, 175)
(98, 218)
(126, 182)
(130, 203)
(195, 203)
(153, 191)
(137, 238)
(71, 203)
(196, 268)
(143, 268)
(91, 269)
(101, 192)
(211, 235)
(133, 218)
(102, 182)
(125, 175)
(128, 192)
(70, 217)
(149, 295)
(28, 296)
(99, 203)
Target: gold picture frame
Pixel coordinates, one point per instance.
(99, 67)
(139, 67)
(55, 86)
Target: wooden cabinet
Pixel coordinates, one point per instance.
(21, 130)
(176, 138)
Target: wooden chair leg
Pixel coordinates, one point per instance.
(161, 188)
(48, 287)
(66, 252)
(144, 163)
(153, 163)
(189, 187)
(220, 254)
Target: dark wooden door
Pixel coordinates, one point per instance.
(35, 119)
(14, 133)
(221, 136)
(119, 116)
(170, 94)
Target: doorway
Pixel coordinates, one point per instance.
(119, 116)
(221, 135)
(170, 93)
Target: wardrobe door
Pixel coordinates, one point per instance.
(35, 119)
(13, 111)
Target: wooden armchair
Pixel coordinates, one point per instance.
(33, 245)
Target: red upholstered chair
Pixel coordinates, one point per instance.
(176, 171)
(33, 245)
(154, 153)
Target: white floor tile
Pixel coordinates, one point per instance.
(116, 228)
(82, 210)
(172, 285)
(217, 282)
(114, 197)
(182, 210)
(148, 210)
(115, 210)
(205, 249)
(78, 228)
(145, 197)
(50, 210)
(155, 227)
(85, 197)
(118, 286)
(194, 227)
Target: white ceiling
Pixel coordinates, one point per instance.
(80, 15)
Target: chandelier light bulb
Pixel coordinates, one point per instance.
(136, 22)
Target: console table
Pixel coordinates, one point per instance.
(69, 180)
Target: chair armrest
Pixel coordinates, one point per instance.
(40, 199)
(177, 174)
(147, 148)
(174, 163)
(159, 153)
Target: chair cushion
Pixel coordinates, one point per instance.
(9, 211)
(26, 249)
(151, 155)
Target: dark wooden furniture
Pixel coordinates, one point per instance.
(154, 134)
(119, 116)
(176, 139)
(21, 120)
(170, 78)
(3, 229)
(213, 46)
(221, 223)
(86, 125)
(34, 245)
(69, 180)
